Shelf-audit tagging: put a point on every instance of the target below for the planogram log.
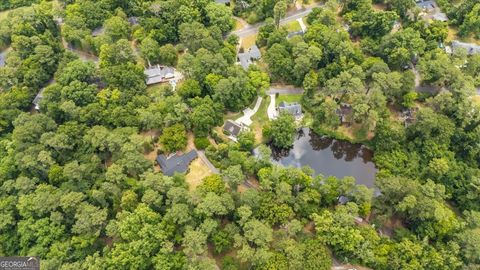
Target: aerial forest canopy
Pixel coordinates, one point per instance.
(139, 134)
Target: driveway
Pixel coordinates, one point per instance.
(248, 113)
(203, 157)
(285, 91)
(271, 110)
(253, 29)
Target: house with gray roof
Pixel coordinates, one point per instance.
(98, 31)
(176, 163)
(233, 129)
(159, 74)
(225, 2)
(246, 58)
(3, 56)
(470, 48)
(294, 109)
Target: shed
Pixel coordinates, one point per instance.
(344, 112)
(176, 163)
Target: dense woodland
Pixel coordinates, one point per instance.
(77, 190)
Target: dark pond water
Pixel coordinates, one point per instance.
(327, 156)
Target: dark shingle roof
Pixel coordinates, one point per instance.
(176, 163)
(232, 127)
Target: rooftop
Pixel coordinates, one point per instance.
(471, 48)
(176, 163)
(293, 108)
(226, 2)
(159, 74)
(246, 58)
(233, 128)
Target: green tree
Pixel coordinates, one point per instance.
(282, 130)
(174, 138)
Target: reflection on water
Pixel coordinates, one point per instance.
(328, 156)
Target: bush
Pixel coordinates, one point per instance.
(201, 143)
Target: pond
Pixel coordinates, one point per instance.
(327, 156)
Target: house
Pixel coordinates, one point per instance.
(246, 58)
(225, 2)
(470, 48)
(233, 129)
(176, 163)
(3, 56)
(344, 113)
(294, 109)
(133, 20)
(159, 74)
(98, 31)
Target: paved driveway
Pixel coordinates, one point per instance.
(285, 91)
(248, 113)
(253, 29)
(271, 110)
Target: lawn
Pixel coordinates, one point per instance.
(249, 41)
(197, 171)
(452, 35)
(291, 98)
(260, 119)
(293, 26)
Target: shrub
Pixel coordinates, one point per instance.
(201, 143)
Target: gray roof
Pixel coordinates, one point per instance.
(469, 47)
(176, 163)
(98, 31)
(440, 16)
(227, 2)
(158, 74)
(233, 128)
(246, 58)
(293, 108)
(3, 57)
(133, 20)
(428, 4)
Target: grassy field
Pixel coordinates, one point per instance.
(260, 119)
(197, 171)
(452, 35)
(249, 41)
(288, 98)
(293, 26)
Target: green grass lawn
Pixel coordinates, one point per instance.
(260, 119)
(293, 26)
(288, 98)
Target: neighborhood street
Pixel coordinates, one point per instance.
(253, 29)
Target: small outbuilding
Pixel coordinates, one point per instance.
(159, 74)
(344, 113)
(176, 163)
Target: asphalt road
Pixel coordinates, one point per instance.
(253, 29)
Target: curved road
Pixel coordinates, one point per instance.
(292, 16)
